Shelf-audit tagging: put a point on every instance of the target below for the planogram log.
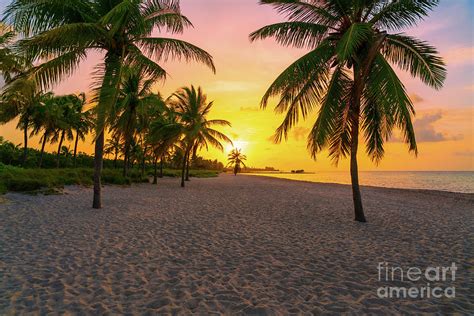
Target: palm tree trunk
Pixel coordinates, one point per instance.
(58, 155)
(183, 171)
(143, 161)
(187, 168)
(25, 143)
(155, 174)
(356, 196)
(161, 168)
(75, 148)
(98, 160)
(115, 160)
(45, 137)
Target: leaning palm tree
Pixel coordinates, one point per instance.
(193, 109)
(348, 74)
(64, 32)
(235, 159)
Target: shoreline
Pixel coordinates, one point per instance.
(362, 185)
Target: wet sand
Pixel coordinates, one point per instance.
(230, 245)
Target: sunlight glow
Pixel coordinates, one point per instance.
(239, 144)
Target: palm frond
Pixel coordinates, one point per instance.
(297, 34)
(417, 57)
(352, 40)
(166, 48)
(399, 14)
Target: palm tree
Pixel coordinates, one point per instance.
(46, 118)
(113, 147)
(82, 122)
(193, 108)
(235, 159)
(164, 133)
(63, 32)
(10, 63)
(135, 108)
(67, 106)
(348, 73)
(19, 99)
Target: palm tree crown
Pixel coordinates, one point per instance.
(348, 74)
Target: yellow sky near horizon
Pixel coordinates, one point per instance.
(444, 121)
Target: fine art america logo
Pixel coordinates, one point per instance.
(429, 279)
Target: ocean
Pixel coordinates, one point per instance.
(453, 181)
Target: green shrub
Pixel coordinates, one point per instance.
(25, 185)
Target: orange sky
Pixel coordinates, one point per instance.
(444, 121)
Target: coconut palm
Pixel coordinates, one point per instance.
(68, 108)
(136, 106)
(64, 32)
(19, 99)
(193, 109)
(11, 64)
(235, 159)
(46, 119)
(165, 132)
(348, 74)
(113, 147)
(82, 122)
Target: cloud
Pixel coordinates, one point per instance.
(415, 98)
(300, 133)
(249, 109)
(425, 131)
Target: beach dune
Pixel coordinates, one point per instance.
(235, 245)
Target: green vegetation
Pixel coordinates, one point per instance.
(16, 179)
(348, 74)
(56, 36)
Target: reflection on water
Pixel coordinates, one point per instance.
(454, 181)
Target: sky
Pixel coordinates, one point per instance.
(444, 119)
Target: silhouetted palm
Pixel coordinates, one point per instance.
(348, 73)
(235, 159)
(193, 109)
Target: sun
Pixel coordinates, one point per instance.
(238, 144)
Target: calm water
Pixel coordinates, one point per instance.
(454, 181)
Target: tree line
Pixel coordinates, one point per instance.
(44, 42)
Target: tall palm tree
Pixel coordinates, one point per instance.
(135, 108)
(165, 133)
(46, 119)
(113, 147)
(67, 106)
(193, 109)
(18, 100)
(235, 159)
(63, 32)
(348, 74)
(82, 122)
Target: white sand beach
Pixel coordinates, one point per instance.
(229, 245)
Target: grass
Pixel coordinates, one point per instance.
(15, 179)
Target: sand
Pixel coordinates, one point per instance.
(229, 245)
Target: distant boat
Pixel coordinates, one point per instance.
(297, 171)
